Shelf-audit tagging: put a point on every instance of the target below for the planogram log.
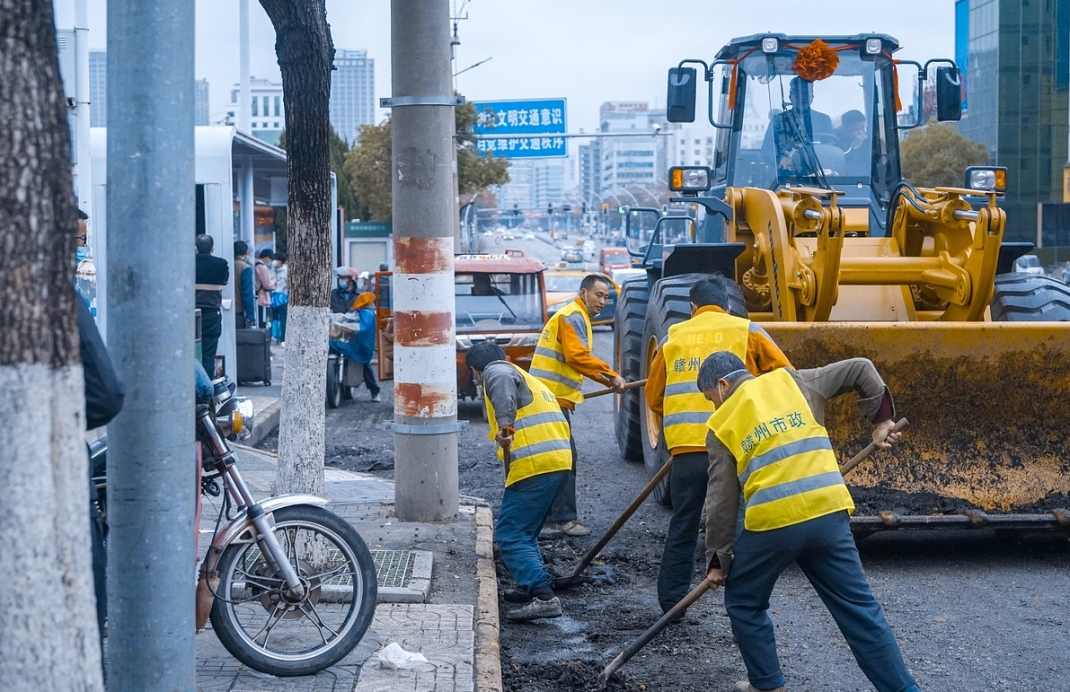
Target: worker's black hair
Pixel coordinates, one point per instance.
(591, 279)
(240, 248)
(721, 365)
(483, 354)
(204, 244)
(710, 291)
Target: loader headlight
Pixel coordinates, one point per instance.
(874, 46)
(770, 45)
(689, 178)
(987, 178)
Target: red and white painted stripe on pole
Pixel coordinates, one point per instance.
(425, 342)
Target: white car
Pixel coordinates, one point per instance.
(1028, 264)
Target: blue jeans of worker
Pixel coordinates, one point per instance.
(825, 551)
(524, 506)
(687, 487)
(564, 506)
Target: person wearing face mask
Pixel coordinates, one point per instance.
(344, 292)
(533, 440)
(562, 359)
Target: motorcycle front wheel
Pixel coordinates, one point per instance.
(269, 628)
(334, 385)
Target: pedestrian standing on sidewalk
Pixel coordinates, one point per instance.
(211, 274)
(244, 294)
(264, 285)
(530, 428)
(280, 297)
(562, 359)
(671, 394)
(769, 450)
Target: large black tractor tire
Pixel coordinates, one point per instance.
(1021, 297)
(627, 343)
(670, 303)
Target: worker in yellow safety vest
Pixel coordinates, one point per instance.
(562, 359)
(672, 395)
(533, 440)
(768, 449)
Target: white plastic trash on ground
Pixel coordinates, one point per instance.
(397, 658)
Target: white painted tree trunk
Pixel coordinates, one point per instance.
(301, 422)
(48, 627)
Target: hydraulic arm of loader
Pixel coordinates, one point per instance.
(938, 263)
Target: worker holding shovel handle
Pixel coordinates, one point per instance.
(768, 449)
(533, 443)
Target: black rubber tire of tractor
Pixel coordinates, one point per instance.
(627, 349)
(1021, 297)
(363, 582)
(670, 303)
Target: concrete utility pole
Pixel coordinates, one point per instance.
(425, 373)
(151, 457)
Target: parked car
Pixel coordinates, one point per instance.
(1028, 264)
(571, 254)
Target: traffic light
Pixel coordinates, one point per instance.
(584, 207)
(605, 208)
(550, 209)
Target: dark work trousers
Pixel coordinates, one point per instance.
(211, 328)
(564, 507)
(825, 551)
(687, 487)
(516, 530)
(369, 378)
(98, 531)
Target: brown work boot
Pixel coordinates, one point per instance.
(536, 608)
(572, 528)
(745, 686)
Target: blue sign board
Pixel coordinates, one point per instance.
(531, 126)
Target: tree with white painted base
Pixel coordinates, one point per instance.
(306, 55)
(48, 630)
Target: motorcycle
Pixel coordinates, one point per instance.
(291, 586)
(344, 374)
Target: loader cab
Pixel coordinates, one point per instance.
(815, 112)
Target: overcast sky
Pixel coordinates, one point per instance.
(585, 51)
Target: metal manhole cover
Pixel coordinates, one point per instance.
(393, 567)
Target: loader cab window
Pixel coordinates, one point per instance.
(794, 132)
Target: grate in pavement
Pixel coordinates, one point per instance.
(393, 567)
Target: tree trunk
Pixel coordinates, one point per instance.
(48, 632)
(306, 55)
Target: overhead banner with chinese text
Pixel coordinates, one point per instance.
(521, 129)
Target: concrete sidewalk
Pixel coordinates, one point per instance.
(437, 594)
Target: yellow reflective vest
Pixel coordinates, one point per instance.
(548, 363)
(688, 345)
(784, 459)
(541, 441)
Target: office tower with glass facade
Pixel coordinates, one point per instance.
(1015, 55)
(352, 93)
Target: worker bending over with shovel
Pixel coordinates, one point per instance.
(768, 445)
(562, 359)
(533, 440)
(671, 394)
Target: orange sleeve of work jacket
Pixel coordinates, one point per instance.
(579, 356)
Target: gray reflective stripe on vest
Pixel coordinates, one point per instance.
(692, 417)
(809, 444)
(539, 419)
(681, 388)
(779, 492)
(555, 377)
(549, 353)
(580, 325)
(540, 448)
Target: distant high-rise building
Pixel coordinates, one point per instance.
(629, 160)
(267, 114)
(98, 88)
(1016, 59)
(200, 102)
(352, 93)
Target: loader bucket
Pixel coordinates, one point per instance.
(989, 418)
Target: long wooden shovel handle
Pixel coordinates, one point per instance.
(643, 494)
(658, 626)
(861, 456)
(609, 390)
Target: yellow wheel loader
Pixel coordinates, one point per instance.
(836, 256)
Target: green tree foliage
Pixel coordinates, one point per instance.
(937, 156)
(369, 164)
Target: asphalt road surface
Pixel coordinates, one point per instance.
(970, 612)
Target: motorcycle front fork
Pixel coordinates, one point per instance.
(270, 547)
